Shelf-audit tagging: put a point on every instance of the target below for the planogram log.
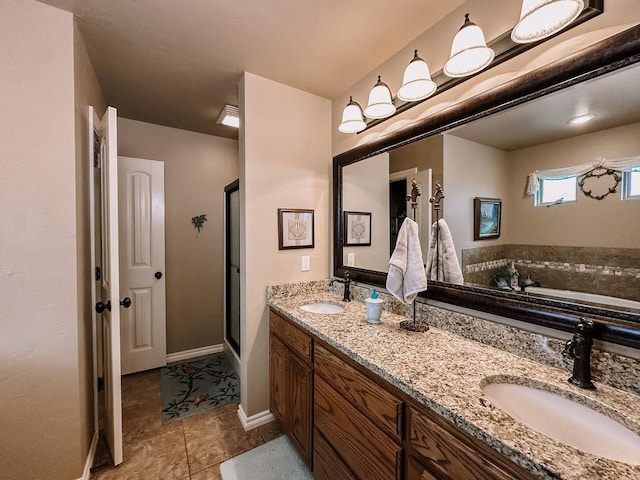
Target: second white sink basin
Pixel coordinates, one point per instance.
(566, 421)
(322, 307)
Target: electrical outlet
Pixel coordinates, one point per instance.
(306, 263)
(351, 259)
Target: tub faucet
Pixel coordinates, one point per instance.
(347, 282)
(528, 283)
(579, 349)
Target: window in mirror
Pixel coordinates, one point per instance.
(555, 191)
(631, 182)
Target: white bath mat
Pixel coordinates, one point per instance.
(275, 460)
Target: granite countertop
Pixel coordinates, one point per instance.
(445, 372)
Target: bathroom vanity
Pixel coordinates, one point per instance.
(362, 401)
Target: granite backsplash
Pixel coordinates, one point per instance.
(613, 369)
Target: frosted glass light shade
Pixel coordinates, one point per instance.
(416, 82)
(542, 18)
(380, 104)
(352, 121)
(469, 51)
(229, 116)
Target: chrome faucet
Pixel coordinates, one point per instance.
(347, 282)
(579, 349)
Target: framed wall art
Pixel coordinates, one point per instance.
(486, 218)
(295, 228)
(357, 229)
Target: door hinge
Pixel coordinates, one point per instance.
(98, 274)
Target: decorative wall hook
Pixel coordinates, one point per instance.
(198, 222)
(415, 193)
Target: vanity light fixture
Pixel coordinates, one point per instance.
(469, 51)
(416, 82)
(352, 118)
(542, 18)
(581, 119)
(380, 103)
(470, 54)
(230, 116)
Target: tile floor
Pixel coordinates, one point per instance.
(188, 449)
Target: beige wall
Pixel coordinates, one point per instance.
(197, 168)
(365, 188)
(610, 222)
(472, 170)
(285, 162)
(87, 92)
(423, 154)
(495, 17)
(40, 433)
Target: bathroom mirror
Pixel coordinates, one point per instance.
(483, 148)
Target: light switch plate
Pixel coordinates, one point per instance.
(306, 263)
(351, 259)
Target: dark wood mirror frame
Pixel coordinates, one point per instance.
(613, 53)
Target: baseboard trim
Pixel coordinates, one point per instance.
(196, 352)
(254, 421)
(86, 473)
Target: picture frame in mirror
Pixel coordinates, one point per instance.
(487, 218)
(357, 229)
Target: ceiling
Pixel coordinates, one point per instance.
(176, 63)
(612, 97)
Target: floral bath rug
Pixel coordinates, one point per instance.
(196, 386)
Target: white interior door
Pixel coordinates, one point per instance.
(142, 263)
(110, 288)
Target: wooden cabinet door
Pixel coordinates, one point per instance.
(369, 452)
(327, 464)
(278, 367)
(300, 397)
(418, 471)
(450, 453)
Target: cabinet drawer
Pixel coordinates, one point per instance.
(450, 453)
(367, 450)
(292, 336)
(382, 407)
(327, 465)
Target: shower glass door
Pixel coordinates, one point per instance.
(232, 249)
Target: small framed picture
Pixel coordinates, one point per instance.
(486, 218)
(295, 228)
(357, 229)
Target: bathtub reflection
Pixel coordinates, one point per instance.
(585, 297)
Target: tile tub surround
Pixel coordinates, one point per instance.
(607, 271)
(445, 371)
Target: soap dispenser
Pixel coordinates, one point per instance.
(374, 307)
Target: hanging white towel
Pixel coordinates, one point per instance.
(448, 268)
(407, 276)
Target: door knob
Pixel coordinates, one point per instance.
(126, 303)
(158, 275)
(101, 307)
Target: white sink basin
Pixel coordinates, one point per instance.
(322, 307)
(566, 421)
